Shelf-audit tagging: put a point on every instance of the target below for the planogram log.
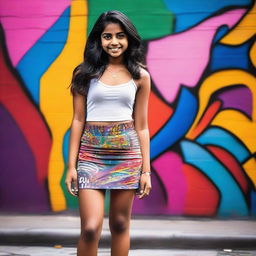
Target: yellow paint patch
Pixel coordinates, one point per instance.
(56, 100)
(253, 54)
(220, 80)
(243, 31)
(239, 125)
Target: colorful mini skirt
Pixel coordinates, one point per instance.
(109, 157)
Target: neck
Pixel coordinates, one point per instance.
(116, 61)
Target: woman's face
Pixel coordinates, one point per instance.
(114, 41)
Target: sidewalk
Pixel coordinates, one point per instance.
(154, 232)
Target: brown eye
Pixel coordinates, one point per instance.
(121, 36)
(106, 36)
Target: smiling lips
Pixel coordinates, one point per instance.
(114, 49)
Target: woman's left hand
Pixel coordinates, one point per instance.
(145, 185)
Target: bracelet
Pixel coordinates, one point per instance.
(147, 173)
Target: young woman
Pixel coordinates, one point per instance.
(109, 141)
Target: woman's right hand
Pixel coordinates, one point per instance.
(71, 177)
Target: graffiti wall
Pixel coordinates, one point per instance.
(202, 113)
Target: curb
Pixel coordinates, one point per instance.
(151, 239)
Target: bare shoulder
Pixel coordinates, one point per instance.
(144, 80)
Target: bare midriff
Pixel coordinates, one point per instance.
(108, 122)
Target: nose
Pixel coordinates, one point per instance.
(114, 41)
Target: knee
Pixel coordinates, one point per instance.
(90, 233)
(119, 224)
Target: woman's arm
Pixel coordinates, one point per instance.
(141, 126)
(76, 129)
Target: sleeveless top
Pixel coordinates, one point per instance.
(110, 102)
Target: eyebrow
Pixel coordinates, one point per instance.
(108, 33)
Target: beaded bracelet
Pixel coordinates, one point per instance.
(147, 173)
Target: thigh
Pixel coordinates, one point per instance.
(121, 201)
(91, 206)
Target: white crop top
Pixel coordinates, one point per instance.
(110, 102)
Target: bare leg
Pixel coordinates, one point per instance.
(119, 220)
(91, 206)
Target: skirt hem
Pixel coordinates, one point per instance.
(110, 188)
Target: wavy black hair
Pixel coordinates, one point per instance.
(96, 59)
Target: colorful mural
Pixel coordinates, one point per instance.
(202, 114)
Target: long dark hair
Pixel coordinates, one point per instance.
(96, 59)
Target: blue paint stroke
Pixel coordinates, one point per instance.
(229, 57)
(220, 33)
(65, 145)
(232, 201)
(221, 138)
(177, 126)
(42, 54)
(253, 202)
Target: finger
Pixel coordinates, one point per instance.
(76, 184)
(143, 194)
(74, 187)
(68, 184)
(142, 187)
(147, 190)
(139, 194)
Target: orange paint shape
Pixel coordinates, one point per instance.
(159, 113)
(206, 119)
(202, 197)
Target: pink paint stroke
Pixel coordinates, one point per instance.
(180, 59)
(169, 168)
(25, 21)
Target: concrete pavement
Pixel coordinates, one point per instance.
(154, 232)
(67, 251)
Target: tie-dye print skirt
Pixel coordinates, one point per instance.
(109, 157)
